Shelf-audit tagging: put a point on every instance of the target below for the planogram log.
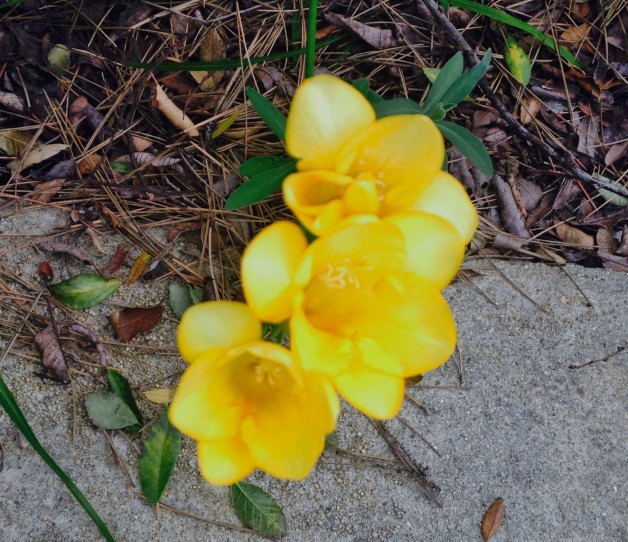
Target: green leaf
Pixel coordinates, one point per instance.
(259, 164)
(260, 186)
(611, 197)
(161, 450)
(121, 167)
(431, 74)
(467, 144)
(517, 61)
(196, 293)
(108, 411)
(362, 85)
(397, 106)
(274, 118)
(448, 75)
(119, 385)
(225, 124)
(59, 59)
(438, 113)
(445, 4)
(466, 83)
(257, 510)
(83, 291)
(10, 406)
(503, 17)
(180, 298)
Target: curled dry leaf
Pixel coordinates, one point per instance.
(139, 266)
(45, 192)
(173, 113)
(492, 519)
(145, 158)
(63, 248)
(510, 212)
(51, 354)
(160, 396)
(116, 261)
(380, 38)
(91, 336)
(529, 110)
(127, 323)
(605, 241)
(574, 236)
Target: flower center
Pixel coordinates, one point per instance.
(269, 374)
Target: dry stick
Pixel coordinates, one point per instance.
(564, 160)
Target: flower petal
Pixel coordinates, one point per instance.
(325, 112)
(268, 267)
(395, 149)
(376, 394)
(445, 197)
(215, 324)
(225, 461)
(206, 403)
(434, 248)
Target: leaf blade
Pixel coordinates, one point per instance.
(468, 144)
(108, 411)
(257, 510)
(118, 384)
(274, 118)
(397, 106)
(517, 61)
(467, 81)
(83, 291)
(447, 76)
(259, 186)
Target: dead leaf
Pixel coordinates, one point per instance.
(111, 218)
(13, 142)
(588, 129)
(140, 144)
(36, 155)
(93, 236)
(484, 117)
(89, 163)
(139, 266)
(63, 248)
(51, 354)
(45, 192)
(616, 263)
(12, 101)
(161, 396)
(91, 336)
(531, 193)
(45, 270)
(575, 34)
(127, 323)
(617, 151)
(379, 38)
(492, 519)
(529, 110)
(146, 158)
(605, 241)
(116, 261)
(212, 48)
(510, 212)
(177, 230)
(574, 236)
(173, 113)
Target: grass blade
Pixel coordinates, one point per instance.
(468, 144)
(8, 403)
(506, 18)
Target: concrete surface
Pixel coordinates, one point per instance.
(552, 441)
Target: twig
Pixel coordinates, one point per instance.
(564, 159)
(606, 358)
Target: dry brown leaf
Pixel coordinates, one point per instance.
(116, 261)
(144, 158)
(588, 129)
(510, 212)
(36, 155)
(161, 396)
(529, 110)
(140, 144)
(492, 519)
(13, 142)
(574, 34)
(91, 336)
(605, 241)
(177, 230)
(484, 117)
(93, 236)
(616, 263)
(127, 323)
(111, 218)
(212, 48)
(574, 236)
(51, 354)
(379, 38)
(63, 248)
(89, 163)
(617, 151)
(139, 266)
(45, 270)
(45, 192)
(173, 113)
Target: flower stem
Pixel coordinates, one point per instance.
(311, 38)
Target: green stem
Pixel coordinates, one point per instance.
(311, 38)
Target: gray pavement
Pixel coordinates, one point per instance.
(550, 440)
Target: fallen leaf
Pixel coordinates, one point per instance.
(484, 117)
(492, 519)
(108, 411)
(517, 61)
(12, 101)
(37, 155)
(510, 212)
(616, 263)
(379, 38)
(63, 248)
(574, 236)
(45, 270)
(173, 113)
(13, 142)
(574, 34)
(588, 129)
(177, 230)
(212, 48)
(139, 266)
(91, 336)
(529, 110)
(160, 396)
(45, 192)
(116, 261)
(51, 354)
(89, 163)
(615, 152)
(605, 240)
(128, 322)
(83, 291)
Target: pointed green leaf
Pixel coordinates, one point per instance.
(397, 106)
(517, 61)
(119, 385)
(362, 85)
(466, 83)
(431, 74)
(257, 510)
(258, 164)
(448, 75)
(83, 291)
(274, 118)
(260, 186)
(161, 450)
(108, 411)
(468, 144)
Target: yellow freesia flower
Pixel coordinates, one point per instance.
(364, 301)
(247, 402)
(349, 163)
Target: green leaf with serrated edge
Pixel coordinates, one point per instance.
(108, 411)
(119, 385)
(159, 456)
(468, 144)
(503, 17)
(180, 298)
(259, 164)
(448, 75)
(362, 86)
(274, 118)
(517, 61)
(257, 510)
(466, 83)
(83, 291)
(397, 106)
(10, 406)
(259, 187)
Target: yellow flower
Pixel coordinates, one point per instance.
(247, 402)
(352, 164)
(364, 301)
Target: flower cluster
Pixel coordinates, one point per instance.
(362, 301)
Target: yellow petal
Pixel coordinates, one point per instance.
(395, 149)
(445, 197)
(224, 462)
(215, 324)
(268, 267)
(361, 198)
(207, 403)
(434, 247)
(325, 112)
(377, 395)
